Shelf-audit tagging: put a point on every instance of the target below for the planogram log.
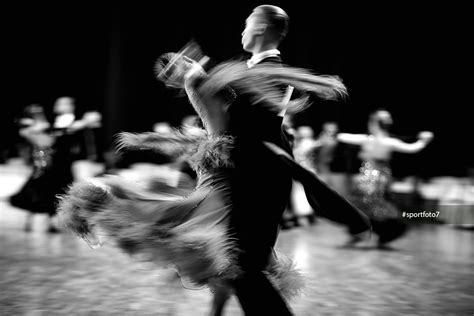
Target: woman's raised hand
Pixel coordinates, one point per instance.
(425, 136)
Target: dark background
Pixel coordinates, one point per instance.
(403, 58)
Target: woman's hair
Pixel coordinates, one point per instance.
(34, 111)
(263, 84)
(170, 69)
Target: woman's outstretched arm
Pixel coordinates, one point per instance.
(352, 139)
(410, 148)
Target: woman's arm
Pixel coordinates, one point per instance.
(88, 120)
(410, 148)
(35, 128)
(352, 139)
(210, 108)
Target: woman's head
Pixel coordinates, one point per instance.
(33, 110)
(380, 120)
(305, 132)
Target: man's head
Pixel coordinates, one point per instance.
(265, 28)
(64, 105)
(330, 128)
(305, 132)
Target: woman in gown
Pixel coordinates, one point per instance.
(37, 194)
(190, 233)
(372, 182)
(51, 168)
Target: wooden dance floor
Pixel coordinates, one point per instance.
(429, 271)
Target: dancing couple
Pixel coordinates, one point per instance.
(223, 233)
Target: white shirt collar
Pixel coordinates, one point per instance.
(64, 120)
(258, 57)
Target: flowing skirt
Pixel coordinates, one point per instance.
(189, 233)
(51, 175)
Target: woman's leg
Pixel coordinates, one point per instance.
(28, 222)
(51, 227)
(221, 295)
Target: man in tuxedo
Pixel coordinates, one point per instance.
(261, 183)
(263, 173)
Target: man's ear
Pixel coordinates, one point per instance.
(260, 28)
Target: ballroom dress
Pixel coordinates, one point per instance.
(225, 229)
(370, 196)
(189, 233)
(51, 174)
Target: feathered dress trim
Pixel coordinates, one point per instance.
(213, 154)
(166, 231)
(150, 227)
(205, 153)
(189, 233)
(262, 83)
(285, 276)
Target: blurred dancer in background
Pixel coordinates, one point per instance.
(289, 218)
(304, 149)
(52, 156)
(37, 194)
(64, 109)
(331, 160)
(324, 154)
(374, 178)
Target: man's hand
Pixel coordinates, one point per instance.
(196, 71)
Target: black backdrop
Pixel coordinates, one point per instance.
(400, 57)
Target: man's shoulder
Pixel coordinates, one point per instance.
(240, 57)
(271, 60)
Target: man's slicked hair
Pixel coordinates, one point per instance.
(276, 18)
